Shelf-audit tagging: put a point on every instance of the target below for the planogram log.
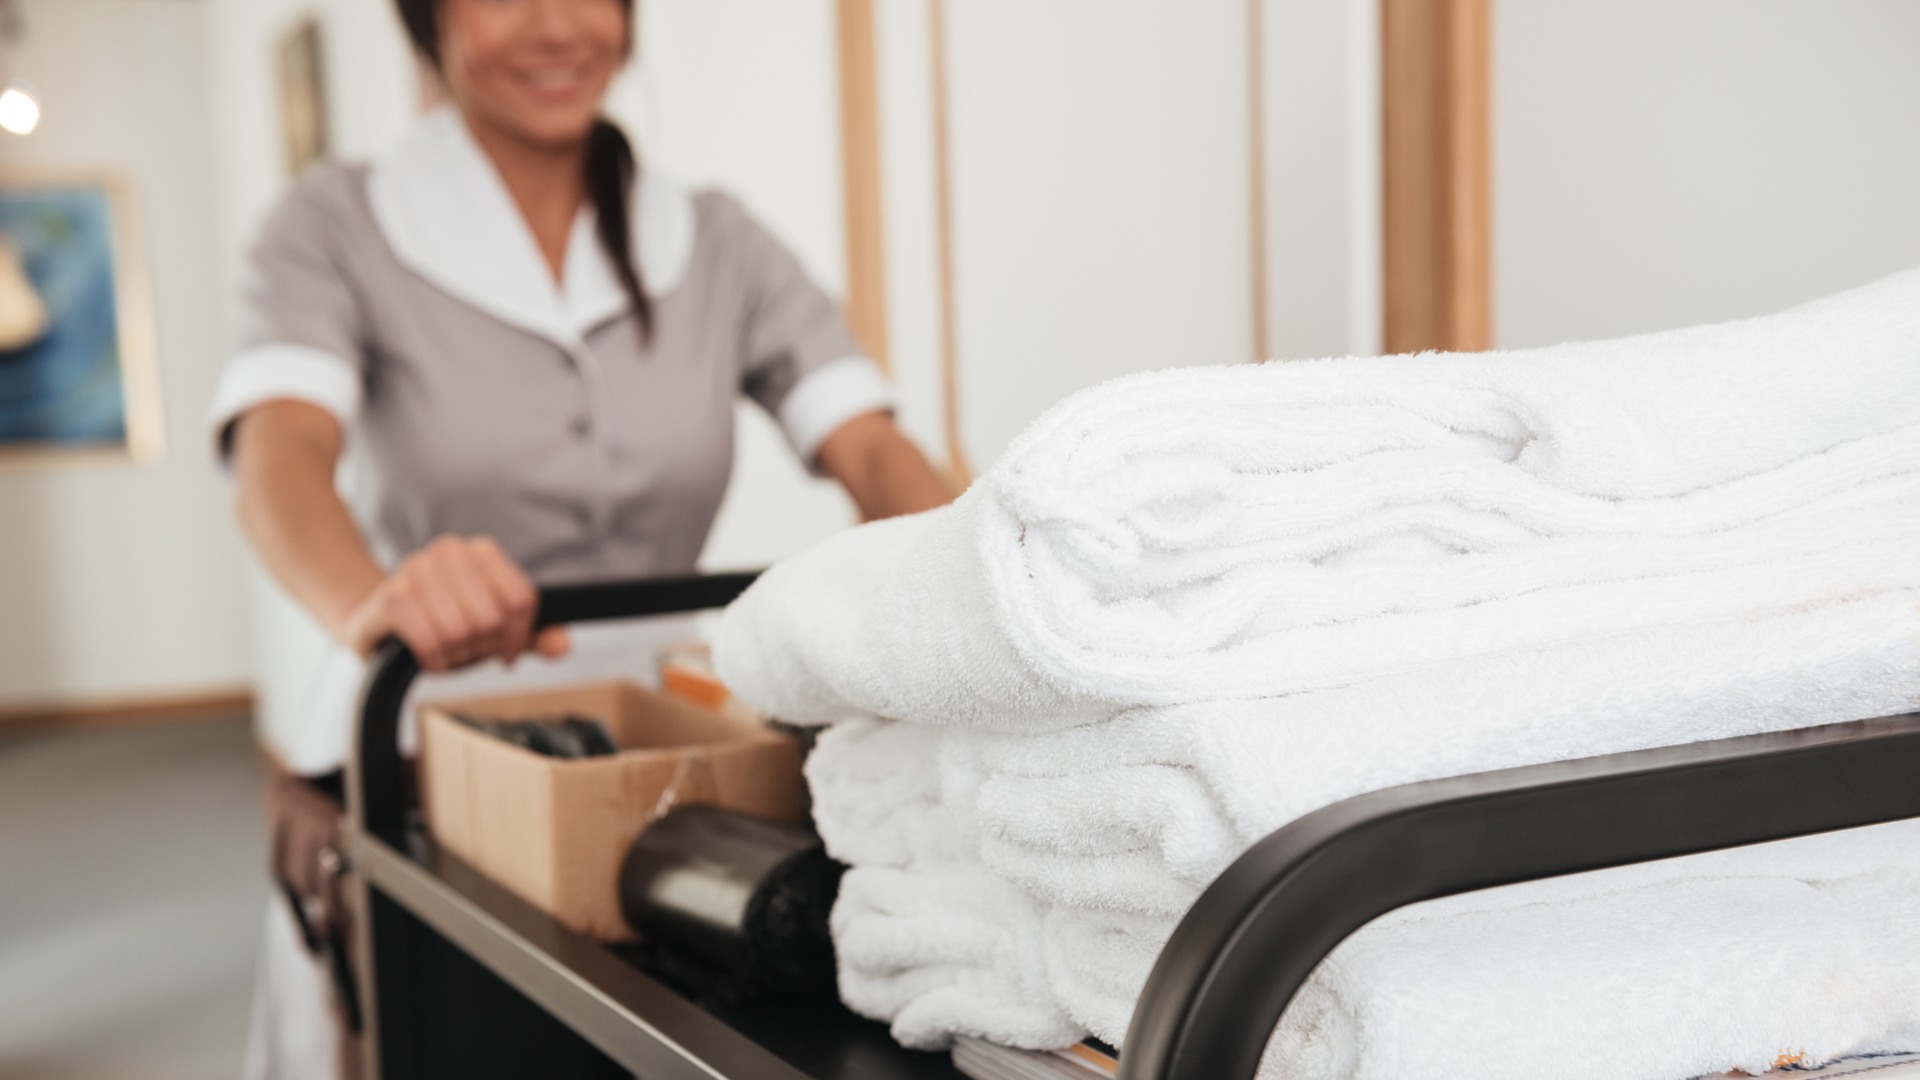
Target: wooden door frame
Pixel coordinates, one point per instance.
(860, 177)
(1436, 174)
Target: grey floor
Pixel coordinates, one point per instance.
(132, 891)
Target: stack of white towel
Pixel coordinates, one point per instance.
(1186, 608)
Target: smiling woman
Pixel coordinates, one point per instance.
(529, 76)
(533, 346)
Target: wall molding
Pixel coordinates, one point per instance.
(215, 703)
(957, 466)
(1257, 174)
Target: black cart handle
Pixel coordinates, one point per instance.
(1239, 956)
(376, 777)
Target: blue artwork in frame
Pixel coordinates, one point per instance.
(76, 365)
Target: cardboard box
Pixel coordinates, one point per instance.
(554, 830)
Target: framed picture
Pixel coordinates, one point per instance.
(77, 366)
(303, 98)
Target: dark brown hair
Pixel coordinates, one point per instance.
(609, 171)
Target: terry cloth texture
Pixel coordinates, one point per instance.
(1187, 608)
(1214, 533)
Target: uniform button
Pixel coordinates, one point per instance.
(581, 427)
(582, 514)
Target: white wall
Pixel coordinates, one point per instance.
(1101, 210)
(1101, 205)
(1660, 163)
(1322, 61)
(116, 579)
(1100, 176)
(369, 89)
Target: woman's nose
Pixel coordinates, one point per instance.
(557, 20)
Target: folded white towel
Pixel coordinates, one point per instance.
(1138, 813)
(942, 948)
(1141, 812)
(1177, 585)
(1648, 972)
(1264, 530)
(943, 951)
(1668, 979)
(877, 796)
(939, 948)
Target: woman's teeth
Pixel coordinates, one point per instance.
(556, 78)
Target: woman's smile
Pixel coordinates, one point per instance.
(556, 84)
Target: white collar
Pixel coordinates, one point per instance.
(446, 214)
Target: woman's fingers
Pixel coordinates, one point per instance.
(459, 600)
(471, 587)
(407, 619)
(427, 583)
(394, 609)
(552, 642)
(454, 602)
(512, 591)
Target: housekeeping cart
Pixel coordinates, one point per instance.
(460, 978)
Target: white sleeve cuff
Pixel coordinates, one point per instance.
(271, 372)
(828, 396)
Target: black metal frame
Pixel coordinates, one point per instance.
(1241, 954)
(1219, 986)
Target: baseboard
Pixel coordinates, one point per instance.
(223, 703)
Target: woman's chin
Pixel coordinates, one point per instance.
(547, 125)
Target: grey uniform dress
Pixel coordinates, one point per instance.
(479, 397)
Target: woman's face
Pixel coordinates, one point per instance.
(532, 69)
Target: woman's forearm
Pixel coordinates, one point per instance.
(881, 469)
(284, 457)
(454, 601)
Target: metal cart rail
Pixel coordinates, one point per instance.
(462, 978)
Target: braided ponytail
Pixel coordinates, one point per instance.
(610, 171)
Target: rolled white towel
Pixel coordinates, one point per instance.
(1264, 530)
(943, 951)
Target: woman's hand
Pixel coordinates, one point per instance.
(455, 602)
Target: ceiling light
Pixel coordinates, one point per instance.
(19, 108)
